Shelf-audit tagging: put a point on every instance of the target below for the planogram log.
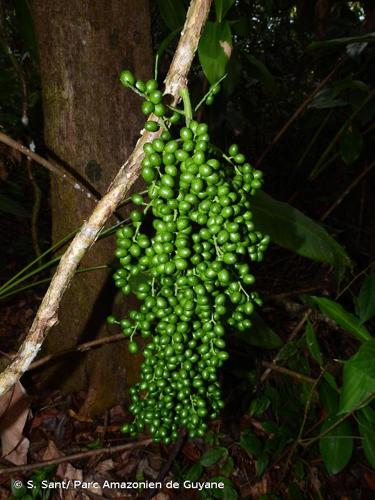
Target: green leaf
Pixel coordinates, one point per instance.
(259, 405)
(291, 229)
(351, 143)
(12, 207)
(341, 42)
(366, 299)
(358, 378)
(250, 443)
(228, 467)
(263, 73)
(214, 50)
(221, 8)
(226, 493)
(312, 343)
(343, 318)
(212, 456)
(261, 463)
(194, 473)
(336, 447)
(173, 13)
(260, 334)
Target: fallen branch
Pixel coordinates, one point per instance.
(75, 456)
(47, 315)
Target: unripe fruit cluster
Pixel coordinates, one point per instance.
(189, 247)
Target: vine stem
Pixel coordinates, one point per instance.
(184, 93)
(47, 315)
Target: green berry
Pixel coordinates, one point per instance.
(127, 78)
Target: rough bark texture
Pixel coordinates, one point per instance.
(91, 124)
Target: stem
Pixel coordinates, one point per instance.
(184, 93)
(208, 93)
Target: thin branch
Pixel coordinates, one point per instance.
(47, 315)
(75, 456)
(294, 333)
(285, 371)
(58, 170)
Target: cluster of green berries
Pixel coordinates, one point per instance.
(188, 247)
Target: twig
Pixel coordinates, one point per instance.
(298, 111)
(302, 427)
(351, 186)
(80, 348)
(47, 315)
(75, 456)
(286, 371)
(172, 457)
(354, 280)
(294, 333)
(58, 170)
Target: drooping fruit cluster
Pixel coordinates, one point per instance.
(187, 252)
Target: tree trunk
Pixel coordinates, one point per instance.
(91, 125)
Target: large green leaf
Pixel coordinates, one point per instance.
(345, 319)
(336, 447)
(366, 299)
(341, 42)
(291, 229)
(214, 50)
(222, 7)
(359, 378)
(172, 12)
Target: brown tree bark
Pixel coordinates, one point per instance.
(91, 124)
